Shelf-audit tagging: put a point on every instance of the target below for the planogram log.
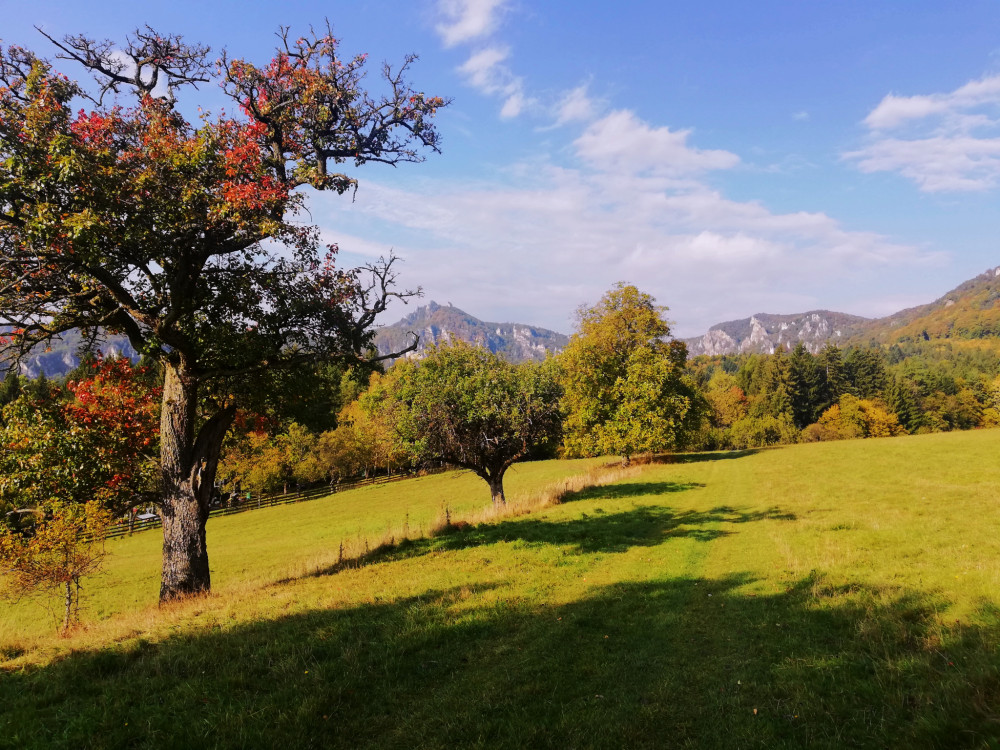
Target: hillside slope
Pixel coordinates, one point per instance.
(785, 598)
(967, 312)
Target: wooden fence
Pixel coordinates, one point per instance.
(242, 505)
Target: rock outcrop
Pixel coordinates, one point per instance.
(438, 324)
(763, 333)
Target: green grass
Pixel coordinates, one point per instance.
(267, 545)
(824, 595)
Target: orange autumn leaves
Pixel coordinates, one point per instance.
(68, 464)
(91, 442)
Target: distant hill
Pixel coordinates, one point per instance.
(436, 324)
(969, 311)
(63, 355)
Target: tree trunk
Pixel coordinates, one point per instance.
(496, 490)
(188, 467)
(69, 607)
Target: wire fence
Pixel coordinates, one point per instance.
(241, 503)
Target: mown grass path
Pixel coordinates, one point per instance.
(830, 595)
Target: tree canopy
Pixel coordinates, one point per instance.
(92, 440)
(625, 388)
(467, 406)
(118, 214)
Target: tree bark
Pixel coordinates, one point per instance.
(68, 617)
(188, 466)
(496, 490)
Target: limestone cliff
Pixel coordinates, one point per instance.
(437, 324)
(763, 333)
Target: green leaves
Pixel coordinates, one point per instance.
(92, 442)
(625, 388)
(467, 406)
(185, 236)
(131, 218)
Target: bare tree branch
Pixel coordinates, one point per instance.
(147, 61)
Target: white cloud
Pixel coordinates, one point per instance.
(894, 111)
(465, 20)
(576, 105)
(942, 142)
(936, 164)
(543, 239)
(485, 70)
(622, 142)
(361, 248)
(800, 116)
(513, 105)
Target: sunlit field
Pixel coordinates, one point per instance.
(823, 595)
(263, 546)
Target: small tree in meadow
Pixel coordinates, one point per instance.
(469, 407)
(53, 554)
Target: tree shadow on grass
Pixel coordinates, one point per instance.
(594, 532)
(626, 490)
(690, 458)
(642, 526)
(691, 662)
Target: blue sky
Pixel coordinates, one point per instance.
(727, 157)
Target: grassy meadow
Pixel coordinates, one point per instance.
(822, 595)
(258, 547)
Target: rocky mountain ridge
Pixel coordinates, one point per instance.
(969, 311)
(64, 354)
(763, 333)
(438, 324)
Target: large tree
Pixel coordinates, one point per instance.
(126, 217)
(626, 391)
(466, 406)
